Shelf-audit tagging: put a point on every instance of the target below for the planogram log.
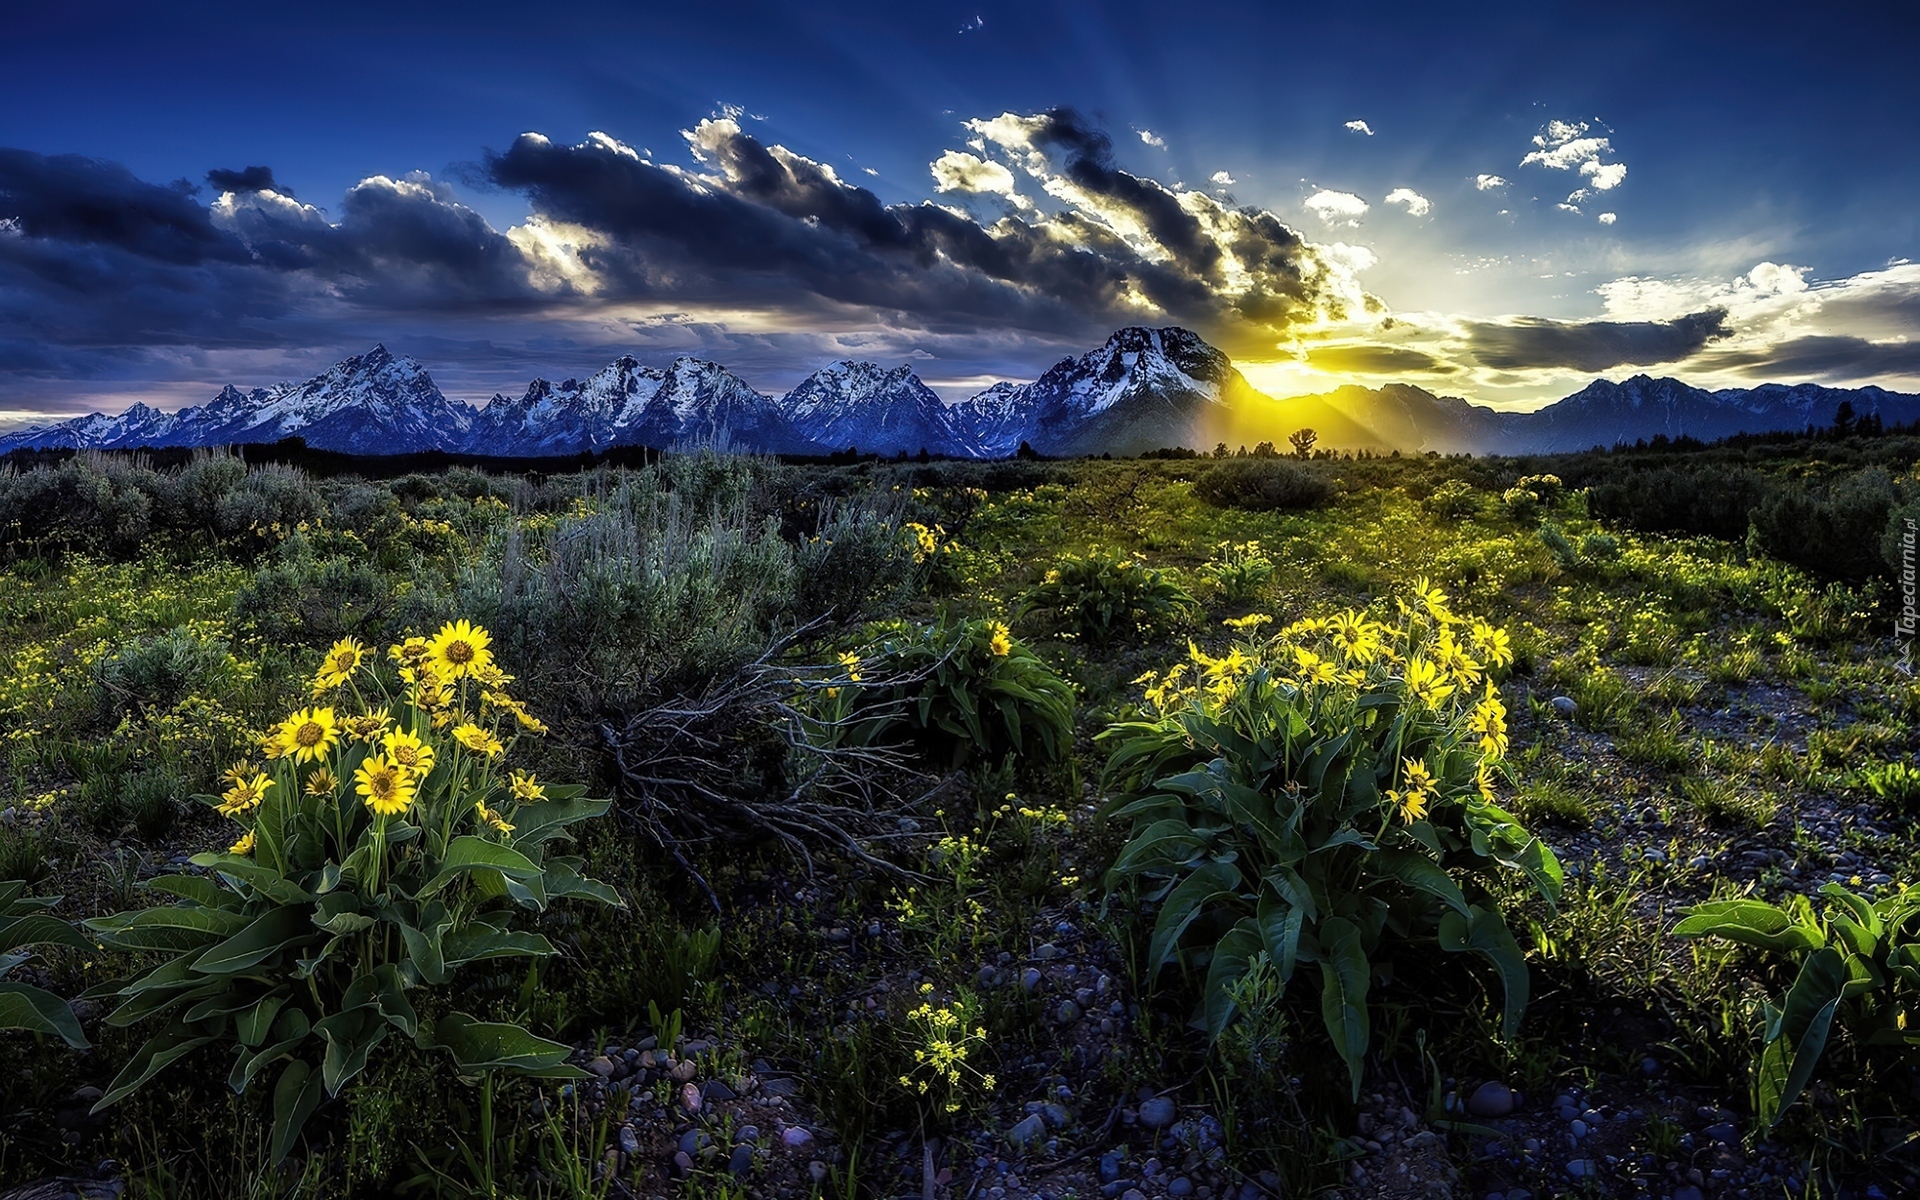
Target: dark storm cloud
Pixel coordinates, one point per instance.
(1376, 360)
(767, 220)
(1844, 357)
(1536, 342)
(91, 202)
(247, 179)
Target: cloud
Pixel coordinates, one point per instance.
(1360, 127)
(91, 202)
(1361, 358)
(1533, 343)
(247, 179)
(1417, 205)
(1608, 218)
(1222, 178)
(1564, 145)
(1823, 356)
(1336, 207)
(958, 171)
(1152, 139)
(1487, 183)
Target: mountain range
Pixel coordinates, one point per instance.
(1141, 390)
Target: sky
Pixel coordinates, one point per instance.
(1501, 205)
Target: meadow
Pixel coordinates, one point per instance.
(718, 827)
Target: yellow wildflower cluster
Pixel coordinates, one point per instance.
(451, 688)
(925, 541)
(942, 1044)
(1001, 641)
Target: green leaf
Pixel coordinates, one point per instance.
(152, 1057)
(254, 1027)
(1803, 1023)
(295, 1097)
(468, 853)
(540, 822)
(277, 930)
(477, 942)
(1183, 904)
(1485, 932)
(37, 930)
(1750, 922)
(1344, 978)
(168, 928)
(38, 1010)
(200, 889)
(264, 879)
(350, 1037)
(478, 1046)
(1230, 959)
(1422, 874)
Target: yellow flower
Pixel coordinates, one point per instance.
(367, 728)
(386, 786)
(478, 740)
(244, 795)
(1493, 644)
(1483, 779)
(1356, 637)
(1489, 720)
(244, 846)
(492, 820)
(459, 650)
(308, 735)
(322, 783)
(409, 653)
(408, 751)
(1427, 681)
(341, 662)
(526, 788)
(1412, 805)
(850, 662)
(1432, 601)
(1002, 641)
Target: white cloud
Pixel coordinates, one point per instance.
(1608, 218)
(1360, 127)
(1487, 183)
(1606, 176)
(1336, 207)
(958, 171)
(1222, 178)
(1417, 205)
(1567, 208)
(871, 171)
(1152, 139)
(1564, 145)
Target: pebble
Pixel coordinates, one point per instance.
(601, 1066)
(1030, 1129)
(1577, 1128)
(1581, 1168)
(796, 1137)
(629, 1140)
(1158, 1112)
(748, 1133)
(1109, 1168)
(1047, 951)
(817, 1171)
(717, 1090)
(1688, 1192)
(1180, 1187)
(1724, 1133)
(690, 1098)
(683, 1162)
(1491, 1099)
(1068, 1013)
(741, 1160)
(1030, 979)
(1133, 1194)
(1564, 705)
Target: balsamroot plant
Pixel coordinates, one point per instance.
(1102, 595)
(1321, 798)
(23, 923)
(968, 687)
(384, 845)
(1859, 979)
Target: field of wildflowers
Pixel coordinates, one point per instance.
(1162, 827)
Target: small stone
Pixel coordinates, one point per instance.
(1724, 1133)
(1581, 1168)
(796, 1137)
(1133, 1194)
(1030, 979)
(1491, 1099)
(1158, 1112)
(1688, 1192)
(748, 1134)
(1649, 1065)
(601, 1066)
(740, 1161)
(629, 1140)
(716, 1090)
(1030, 1129)
(690, 1098)
(1564, 706)
(1109, 1168)
(684, 1071)
(1047, 951)
(683, 1163)
(1067, 1013)
(1180, 1187)
(1056, 1115)
(1577, 1128)
(817, 1171)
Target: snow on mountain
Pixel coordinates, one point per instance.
(862, 405)
(993, 423)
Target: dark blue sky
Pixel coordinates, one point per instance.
(1770, 152)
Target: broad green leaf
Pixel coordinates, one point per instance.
(1230, 958)
(1421, 873)
(278, 929)
(257, 1024)
(26, 1007)
(200, 889)
(152, 1057)
(1803, 1023)
(470, 853)
(170, 927)
(295, 1097)
(1344, 978)
(478, 1045)
(1185, 903)
(1751, 922)
(37, 930)
(351, 1037)
(477, 942)
(1485, 932)
(268, 881)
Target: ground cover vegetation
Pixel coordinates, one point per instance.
(717, 827)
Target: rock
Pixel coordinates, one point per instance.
(1056, 1115)
(748, 1134)
(781, 1087)
(817, 1171)
(1649, 1065)
(1491, 1099)
(1581, 1168)
(1577, 1128)
(1047, 951)
(1067, 1013)
(1030, 979)
(629, 1140)
(1724, 1133)
(1564, 706)
(690, 1098)
(719, 1091)
(1158, 1112)
(1133, 1194)
(1180, 1187)
(740, 1161)
(1030, 1129)
(1688, 1192)
(683, 1163)
(683, 1071)
(1109, 1167)
(796, 1137)
(601, 1066)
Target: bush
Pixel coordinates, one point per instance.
(1101, 595)
(1859, 977)
(1262, 485)
(1713, 501)
(1310, 799)
(1834, 531)
(386, 846)
(1238, 570)
(969, 688)
(1532, 495)
(157, 673)
(23, 923)
(1456, 499)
